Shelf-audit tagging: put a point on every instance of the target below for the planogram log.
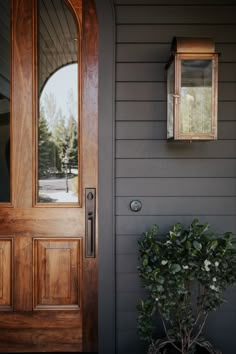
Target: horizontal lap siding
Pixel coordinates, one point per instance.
(156, 91)
(174, 2)
(179, 187)
(157, 130)
(156, 110)
(175, 181)
(156, 72)
(158, 149)
(176, 205)
(134, 225)
(149, 33)
(158, 52)
(175, 15)
(173, 168)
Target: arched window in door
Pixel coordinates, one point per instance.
(59, 61)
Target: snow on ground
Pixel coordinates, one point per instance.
(54, 190)
(59, 197)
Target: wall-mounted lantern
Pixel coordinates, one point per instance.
(192, 89)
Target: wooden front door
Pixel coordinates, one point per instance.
(48, 224)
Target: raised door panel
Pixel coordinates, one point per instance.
(57, 273)
(5, 274)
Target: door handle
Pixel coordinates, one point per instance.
(90, 240)
(90, 215)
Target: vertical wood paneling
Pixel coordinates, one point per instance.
(57, 32)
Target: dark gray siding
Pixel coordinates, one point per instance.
(106, 125)
(175, 181)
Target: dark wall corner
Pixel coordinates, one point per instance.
(106, 123)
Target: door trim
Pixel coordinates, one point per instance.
(106, 173)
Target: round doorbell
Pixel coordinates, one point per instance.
(135, 205)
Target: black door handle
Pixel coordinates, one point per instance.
(90, 213)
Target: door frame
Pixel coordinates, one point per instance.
(106, 180)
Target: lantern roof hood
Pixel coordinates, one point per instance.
(192, 45)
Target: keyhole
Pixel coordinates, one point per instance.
(90, 196)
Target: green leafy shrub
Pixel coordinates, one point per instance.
(185, 274)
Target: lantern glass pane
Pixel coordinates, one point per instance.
(196, 97)
(170, 101)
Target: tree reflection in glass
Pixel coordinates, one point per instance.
(58, 138)
(58, 107)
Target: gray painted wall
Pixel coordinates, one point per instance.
(175, 181)
(106, 127)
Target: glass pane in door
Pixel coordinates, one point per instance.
(58, 109)
(5, 82)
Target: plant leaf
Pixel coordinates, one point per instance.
(197, 245)
(175, 268)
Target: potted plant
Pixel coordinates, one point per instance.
(185, 274)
